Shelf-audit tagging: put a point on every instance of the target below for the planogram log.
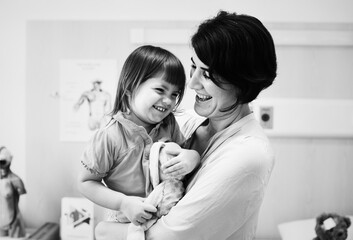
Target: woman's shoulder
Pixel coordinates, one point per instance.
(188, 121)
(251, 136)
(254, 154)
(246, 145)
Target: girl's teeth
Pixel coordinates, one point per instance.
(160, 109)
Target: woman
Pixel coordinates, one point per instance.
(233, 60)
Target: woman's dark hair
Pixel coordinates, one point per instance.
(238, 50)
(143, 63)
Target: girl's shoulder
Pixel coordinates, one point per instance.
(115, 134)
(118, 124)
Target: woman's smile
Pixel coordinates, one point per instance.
(202, 98)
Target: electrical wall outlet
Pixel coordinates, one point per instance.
(266, 117)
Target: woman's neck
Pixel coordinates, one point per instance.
(218, 124)
(214, 125)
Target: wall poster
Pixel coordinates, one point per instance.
(87, 93)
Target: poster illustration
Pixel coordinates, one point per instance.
(87, 92)
(77, 219)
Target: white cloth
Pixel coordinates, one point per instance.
(223, 198)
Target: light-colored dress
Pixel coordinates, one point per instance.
(119, 153)
(224, 196)
(167, 190)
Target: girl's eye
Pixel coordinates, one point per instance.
(175, 95)
(159, 90)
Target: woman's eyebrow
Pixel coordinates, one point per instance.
(205, 69)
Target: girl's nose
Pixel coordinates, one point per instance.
(167, 100)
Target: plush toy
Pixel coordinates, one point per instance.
(166, 193)
(11, 187)
(331, 226)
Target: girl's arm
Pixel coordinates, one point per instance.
(134, 208)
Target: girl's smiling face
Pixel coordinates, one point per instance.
(152, 101)
(210, 98)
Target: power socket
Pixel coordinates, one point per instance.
(266, 117)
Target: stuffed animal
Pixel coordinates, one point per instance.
(11, 187)
(331, 226)
(166, 193)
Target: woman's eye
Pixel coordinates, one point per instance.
(206, 75)
(192, 70)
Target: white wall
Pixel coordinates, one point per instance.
(15, 13)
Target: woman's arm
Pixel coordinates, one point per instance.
(222, 201)
(184, 162)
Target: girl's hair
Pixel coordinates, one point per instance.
(142, 64)
(239, 51)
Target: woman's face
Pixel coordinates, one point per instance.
(210, 98)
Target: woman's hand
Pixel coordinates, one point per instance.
(136, 210)
(184, 162)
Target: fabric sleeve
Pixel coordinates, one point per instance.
(177, 135)
(100, 153)
(188, 121)
(226, 193)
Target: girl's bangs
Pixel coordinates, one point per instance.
(174, 74)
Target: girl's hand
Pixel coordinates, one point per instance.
(136, 210)
(183, 163)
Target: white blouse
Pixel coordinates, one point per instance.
(224, 196)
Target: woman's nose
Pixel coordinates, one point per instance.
(194, 82)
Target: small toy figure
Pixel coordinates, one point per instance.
(331, 226)
(166, 193)
(11, 187)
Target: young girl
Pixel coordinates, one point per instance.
(114, 172)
